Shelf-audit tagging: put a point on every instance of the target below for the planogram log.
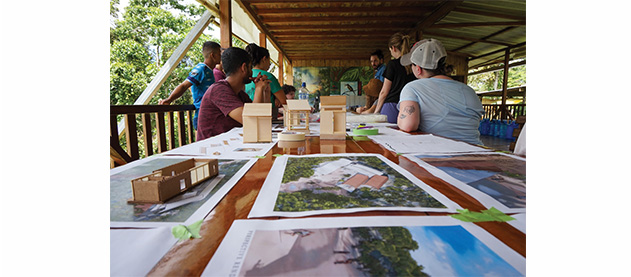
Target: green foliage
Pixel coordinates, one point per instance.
(386, 251)
(493, 80)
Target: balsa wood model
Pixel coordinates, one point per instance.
(257, 122)
(165, 183)
(297, 115)
(333, 117)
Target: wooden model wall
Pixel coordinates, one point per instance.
(295, 110)
(333, 117)
(257, 122)
(165, 183)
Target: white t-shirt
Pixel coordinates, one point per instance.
(448, 108)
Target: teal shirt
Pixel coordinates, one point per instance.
(274, 84)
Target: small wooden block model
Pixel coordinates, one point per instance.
(165, 183)
(297, 115)
(257, 122)
(333, 117)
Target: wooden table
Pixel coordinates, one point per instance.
(191, 257)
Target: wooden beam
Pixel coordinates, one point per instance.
(477, 24)
(415, 10)
(161, 129)
(439, 34)
(146, 133)
(443, 10)
(350, 26)
(281, 73)
(486, 13)
(131, 136)
(262, 40)
(505, 84)
(318, 19)
(225, 21)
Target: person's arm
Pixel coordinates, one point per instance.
(237, 114)
(280, 96)
(385, 89)
(261, 89)
(177, 93)
(409, 116)
(370, 110)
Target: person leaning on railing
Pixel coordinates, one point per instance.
(222, 105)
(199, 79)
(435, 103)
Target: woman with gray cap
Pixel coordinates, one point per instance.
(435, 103)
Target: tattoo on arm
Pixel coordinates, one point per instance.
(408, 109)
(402, 116)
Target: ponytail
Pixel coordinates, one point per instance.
(256, 53)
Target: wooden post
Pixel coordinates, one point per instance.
(225, 22)
(131, 136)
(148, 136)
(162, 136)
(262, 40)
(191, 130)
(504, 112)
(171, 123)
(281, 72)
(181, 130)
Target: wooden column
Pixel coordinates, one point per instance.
(225, 22)
(262, 40)
(504, 111)
(281, 68)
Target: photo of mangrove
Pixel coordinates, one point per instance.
(337, 182)
(372, 251)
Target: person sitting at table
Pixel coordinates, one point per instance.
(395, 77)
(371, 90)
(435, 103)
(222, 105)
(261, 62)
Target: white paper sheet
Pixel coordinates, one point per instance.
(328, 185)
(180, 210)
(134, 252)
(424, 144)
(484, 193)
(329, 247)
(519, 223)
(228, 145)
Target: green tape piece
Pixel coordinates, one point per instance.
(277, 155)
(260, 157)
(366, 132)
(182, 232)
(491, 214)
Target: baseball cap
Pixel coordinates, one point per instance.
(425, 53)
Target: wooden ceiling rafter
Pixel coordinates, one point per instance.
(485, 38)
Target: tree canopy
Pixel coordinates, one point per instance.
(143, 40)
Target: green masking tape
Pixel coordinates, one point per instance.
(366, 132)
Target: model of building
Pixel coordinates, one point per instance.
(257, 122)
(333, 117)
(297, 115)
(165, 183)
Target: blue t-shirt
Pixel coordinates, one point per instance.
(448, 108)
(201, 77)
(379, 72)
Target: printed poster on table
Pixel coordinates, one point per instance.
(343, 183)
(185, 208)
(363, 246)
(495, 179)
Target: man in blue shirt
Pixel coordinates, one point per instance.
(199, 79)
(376, 61)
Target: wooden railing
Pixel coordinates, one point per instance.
(152, 117)
(494, 111)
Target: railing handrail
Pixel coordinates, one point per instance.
(135, 109)
(150, 115)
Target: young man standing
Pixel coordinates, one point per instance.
(222, 105)
(200, 78)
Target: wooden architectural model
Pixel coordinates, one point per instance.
(333, 117)
(257, 122)
(297, 114)
(165, 183)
